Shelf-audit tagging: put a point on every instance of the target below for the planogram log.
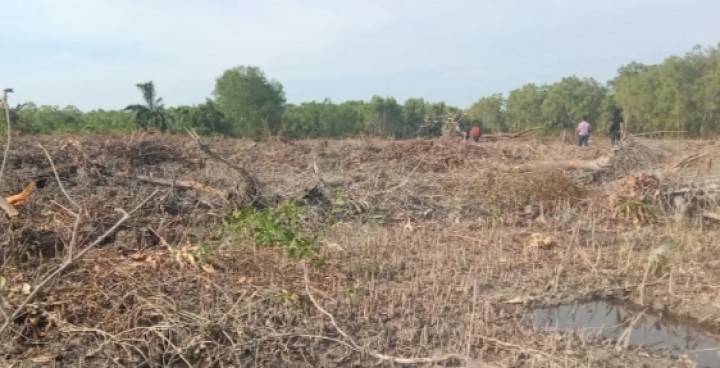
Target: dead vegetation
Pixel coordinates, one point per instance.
(426, 252)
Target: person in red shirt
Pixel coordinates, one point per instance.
(475, 133)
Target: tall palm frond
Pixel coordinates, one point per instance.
(153, 113)
(148, 91)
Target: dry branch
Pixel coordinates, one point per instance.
(593, 165)
(623, 341)
(7, 207)
(711, 215)
(185, 184)
(252, 184)
(498, 136)
(376, 355)
(57, 177)
(659, 132)
(71, 260)
(6, 107)
(206, 149)
(687, 160)
(526, 131)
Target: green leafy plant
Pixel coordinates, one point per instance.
(661, 256)
(637, 211)
(202, 252)
(339, 202)
(277, 227)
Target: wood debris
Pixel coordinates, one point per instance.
(22, 197)
(9, 203)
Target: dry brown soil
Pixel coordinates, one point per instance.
(430, 249)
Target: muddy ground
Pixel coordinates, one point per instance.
(420, 249)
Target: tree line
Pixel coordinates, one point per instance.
(681, 94)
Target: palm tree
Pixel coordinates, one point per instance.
(153, 113)
(14, 111)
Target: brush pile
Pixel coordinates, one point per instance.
(419, 240)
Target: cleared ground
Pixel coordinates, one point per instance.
(425, 249)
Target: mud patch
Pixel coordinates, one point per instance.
(612, 320)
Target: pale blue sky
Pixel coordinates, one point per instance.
(90, 53)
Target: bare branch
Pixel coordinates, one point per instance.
(383, 357)
(71, 260)
(6, 107)
(4, 205)
(249, 179)
(185, 184)
(57, 178)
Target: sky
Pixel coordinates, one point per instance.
(91, 53)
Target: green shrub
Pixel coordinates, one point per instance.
(277, 227)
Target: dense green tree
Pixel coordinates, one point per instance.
(46, 119)
(489, 112)
(523, 108)
(570, 99)
(436, 114)
(205, 119)
(250, 101)
(340, 120)
(152, 113)
(682, 93)
(181, 117)
(302, 120)
(14, 114)
(108, 121)
(321, 119)
(414, 111)
(383, 117)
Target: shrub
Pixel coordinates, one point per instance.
(277, 227)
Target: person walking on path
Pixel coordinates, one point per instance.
(583, 132)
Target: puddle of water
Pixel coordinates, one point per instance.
(611, 320)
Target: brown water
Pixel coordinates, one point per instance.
(649, 331)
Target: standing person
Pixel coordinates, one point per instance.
(616, 128)
(583, 132)
(475, 133)
(615, 131)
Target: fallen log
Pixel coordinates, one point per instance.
(498, 136)
(659, 132)
(526, 131)
(594, 165)
(185, 184)
(711, 215)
